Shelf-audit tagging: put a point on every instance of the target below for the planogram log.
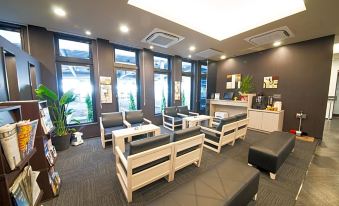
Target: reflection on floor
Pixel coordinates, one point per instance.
(321, 186)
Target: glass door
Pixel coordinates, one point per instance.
(127, 90)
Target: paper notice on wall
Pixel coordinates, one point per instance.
(106, 93)
(105, 80)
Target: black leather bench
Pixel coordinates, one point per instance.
(229, 183)
(270, 153)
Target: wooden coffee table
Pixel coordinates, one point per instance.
(119, 136)
(196, 120)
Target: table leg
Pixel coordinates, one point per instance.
(210, 122)
(157, 132)
(184, 124)
(120, 142)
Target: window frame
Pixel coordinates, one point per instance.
(189, 74)
(73, 61)
(163, 71)
(126, 67)
(14, 28)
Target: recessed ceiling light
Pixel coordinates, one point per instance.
(59, 11)
(244, 19)
(277, 43)
(192, 48)
(151, 47)
(223, 57)
(88, 32)
(189, 56)
(336, 48)
(124, 28)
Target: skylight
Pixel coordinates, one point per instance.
(221, 19)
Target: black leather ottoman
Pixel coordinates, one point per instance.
(270, 153)
(230, 183)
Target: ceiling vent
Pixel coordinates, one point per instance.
(209, 53)
(271, 36)
(162, 38)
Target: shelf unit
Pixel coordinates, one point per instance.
(31, 110)
(11, 114)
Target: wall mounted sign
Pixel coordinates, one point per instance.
(233, 81)
(105, 89)
(177, 90)
(271, 82)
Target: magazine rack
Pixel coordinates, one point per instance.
(11, 114)
(31, 110)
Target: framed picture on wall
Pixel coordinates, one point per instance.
(177, 90)
(271, 82)
(233, 81)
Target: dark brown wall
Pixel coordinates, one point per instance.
(16, 64)
(304, 72)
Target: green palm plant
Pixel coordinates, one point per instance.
(58, 108)
(246, 85)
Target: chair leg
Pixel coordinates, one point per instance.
(129, 195)
(272, 175)
(255, 197)
(249, 164)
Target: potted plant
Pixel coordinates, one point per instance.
(246, 87)
(59, 111)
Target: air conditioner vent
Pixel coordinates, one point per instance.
(271, 36)
(162, 38)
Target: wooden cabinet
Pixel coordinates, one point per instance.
(266, 121)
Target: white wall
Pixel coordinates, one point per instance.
(333, 83)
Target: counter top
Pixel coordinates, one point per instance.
(267, 111)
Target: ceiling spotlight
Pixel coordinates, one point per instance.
(59, 11)
(189, 56)
(124, 28)
(151, 47)
(88, 32)
(192, 48)
(223, 57)
(277, 43)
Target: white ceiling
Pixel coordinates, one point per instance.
(103, 18)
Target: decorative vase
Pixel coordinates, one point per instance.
(61, 142)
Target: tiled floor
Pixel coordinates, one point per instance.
(321, 186)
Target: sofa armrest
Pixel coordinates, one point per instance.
(121, 156)
(194, 113)
(182, 115)
(167, 116)
(210, 130)
(127, 124)
(148, 121)
(102, 129)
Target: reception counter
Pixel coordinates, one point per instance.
(230, 107)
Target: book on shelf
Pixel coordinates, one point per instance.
(54, 180)
(9, 142)
(25, 189)
(46, 122)
(50, 152)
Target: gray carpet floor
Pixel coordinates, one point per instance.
(88, 175)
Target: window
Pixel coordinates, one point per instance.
(203, 88)
(75, 72)
(127, 90)
(186, 82)
(125, 57)
(160, 63)
(78, 79)
(69, 48)
(12, 36)
(161, 83)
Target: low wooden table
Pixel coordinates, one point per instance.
(119, 136)
(195, 120)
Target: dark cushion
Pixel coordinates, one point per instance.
(171, 111)
(185, 151)
(108, 131)
(241, 116)
(211, 136)
(183, 110)
(185, 133)
(112, 119)
(134, 117)
(226, 121)
(271, 152)
(230, 183)
(148, 143)
(177, 120)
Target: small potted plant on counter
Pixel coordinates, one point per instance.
(59, 112)
(246, 87)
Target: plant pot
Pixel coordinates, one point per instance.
(61, 142)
